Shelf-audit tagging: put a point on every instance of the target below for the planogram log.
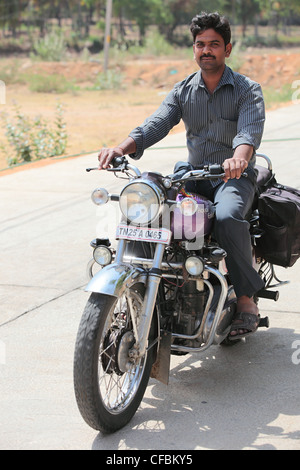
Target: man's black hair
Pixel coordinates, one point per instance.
(211, 21)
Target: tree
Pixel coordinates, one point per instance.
(143, 12)
(10, 13)
(279, 12)
(246, 10)
(181, 12)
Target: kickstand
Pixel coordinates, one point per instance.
(279, 282)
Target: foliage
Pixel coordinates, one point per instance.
(52, 47)
(10, 73)
(274, 96)
(110, 80)
(53, 83)
(33, 139)
(157, 45)
(144, 12)
(236, 58)
(18, 16)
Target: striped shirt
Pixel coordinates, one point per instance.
(215, 123)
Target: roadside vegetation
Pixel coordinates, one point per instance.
(63, 32)
(32, 139)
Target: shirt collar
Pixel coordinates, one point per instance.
(226, 79)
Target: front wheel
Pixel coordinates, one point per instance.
(109, 382)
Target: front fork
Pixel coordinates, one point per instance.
(153, 281)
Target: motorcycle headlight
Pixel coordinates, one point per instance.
(141, 202)
(100, 196)
(188, 206)
(102, 255)
(194, 265)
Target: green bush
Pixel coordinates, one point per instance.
(52, 47)
(50, 84)
(110, 80)
(278, 41)
(273, 96)
(156, 44)
(11, 75)
(236, 59)
(29, 140)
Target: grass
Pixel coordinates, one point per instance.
(50, 84)
(109, 80)
(276, 96)
(10, 73)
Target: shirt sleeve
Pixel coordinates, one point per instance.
(158, 125)
(250, 125)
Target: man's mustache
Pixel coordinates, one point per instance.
(207, 55)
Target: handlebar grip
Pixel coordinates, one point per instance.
(216, 169)
(117, 161)
(219, 170)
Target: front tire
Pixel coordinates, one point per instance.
(109, 385)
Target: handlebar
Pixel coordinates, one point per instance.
(209, 172)
(120, 164)
(215, 171)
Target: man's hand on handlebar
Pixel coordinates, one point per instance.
(106, 155)
(233, 168)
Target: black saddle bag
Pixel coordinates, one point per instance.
(279, 219)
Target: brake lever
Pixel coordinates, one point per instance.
(203, 176)
(221, 175)
(107, 169)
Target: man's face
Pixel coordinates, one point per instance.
(209, 50)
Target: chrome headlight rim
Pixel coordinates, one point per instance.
(158, 195)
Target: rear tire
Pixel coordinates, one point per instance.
(109, 387)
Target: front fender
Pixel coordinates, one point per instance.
(115, 278)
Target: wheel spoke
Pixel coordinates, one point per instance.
(109, 380)
(117, 388)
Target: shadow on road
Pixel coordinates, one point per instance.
(228, 399)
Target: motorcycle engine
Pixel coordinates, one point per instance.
(185, 312)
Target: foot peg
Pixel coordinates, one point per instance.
(268, 294)
(264, 322)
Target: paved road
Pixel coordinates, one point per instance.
(245, 397)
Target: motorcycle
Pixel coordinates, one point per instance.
(164, 291)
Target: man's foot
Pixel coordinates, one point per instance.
(246, 320)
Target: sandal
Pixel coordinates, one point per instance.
(249, 322)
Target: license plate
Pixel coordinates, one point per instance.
(144, 234)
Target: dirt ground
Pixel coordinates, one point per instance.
(103, 118)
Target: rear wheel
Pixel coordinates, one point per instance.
(109, 381)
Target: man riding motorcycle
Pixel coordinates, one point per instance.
(224, 115)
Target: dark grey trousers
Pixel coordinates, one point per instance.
(233, 201)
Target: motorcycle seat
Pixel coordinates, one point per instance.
(264, 176)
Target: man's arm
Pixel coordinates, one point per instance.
(250, 130)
